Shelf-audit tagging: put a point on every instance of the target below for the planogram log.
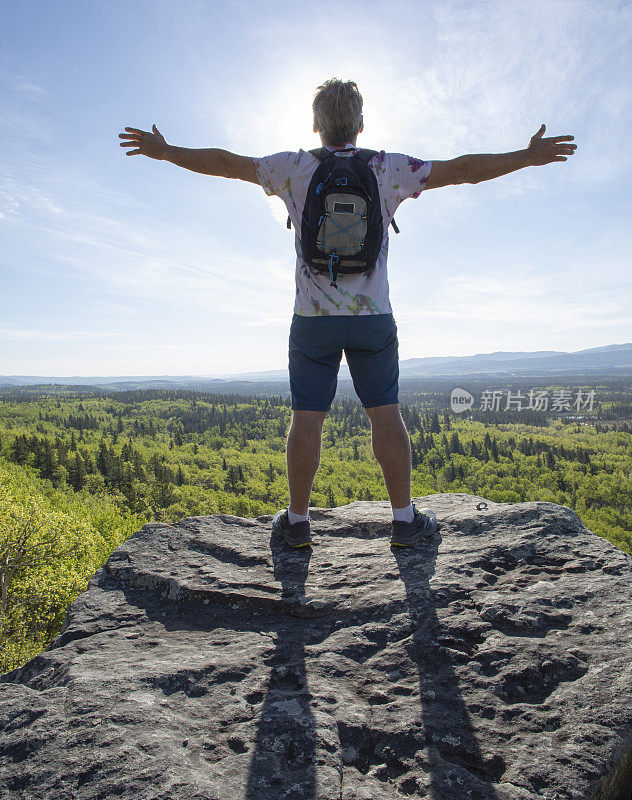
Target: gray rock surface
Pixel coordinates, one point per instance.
(208, 661)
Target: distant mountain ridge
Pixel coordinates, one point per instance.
(612, 359)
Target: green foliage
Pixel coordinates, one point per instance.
(51, 543)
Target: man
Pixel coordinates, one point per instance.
(355, 314)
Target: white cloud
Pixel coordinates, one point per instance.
(530, 310)
(35, 335)
(23, 84)
(278, 209)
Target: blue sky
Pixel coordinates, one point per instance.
(116, 265)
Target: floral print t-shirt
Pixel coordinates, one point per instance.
(288, 175)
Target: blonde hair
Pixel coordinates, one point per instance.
(337, 110)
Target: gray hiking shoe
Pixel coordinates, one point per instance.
(423, 526)
(297, 535)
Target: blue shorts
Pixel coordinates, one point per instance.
(370, 345)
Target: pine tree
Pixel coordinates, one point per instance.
(455, 444)
(331, 500)
(77, 472)
(163, 492)
(48, 462)
(103, 459)
(230, 484)
(134, 496)
(20, 450)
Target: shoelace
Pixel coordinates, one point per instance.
(427, 522)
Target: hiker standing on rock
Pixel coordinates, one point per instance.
(341, 201)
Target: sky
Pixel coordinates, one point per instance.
(124, 265)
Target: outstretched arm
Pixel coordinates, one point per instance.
(483, 167)
(208, 161)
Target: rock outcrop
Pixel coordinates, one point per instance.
(208, 661)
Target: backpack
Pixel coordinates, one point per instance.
(342, 227)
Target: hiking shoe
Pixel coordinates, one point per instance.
(297, 535)
(406, 534)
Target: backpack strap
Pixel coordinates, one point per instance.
(366, 155)
(321, 153)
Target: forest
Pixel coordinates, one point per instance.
(82, 469)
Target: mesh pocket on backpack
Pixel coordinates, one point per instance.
(343, 227)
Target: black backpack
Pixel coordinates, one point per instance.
(341, 230)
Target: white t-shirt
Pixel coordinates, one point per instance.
(288, 175)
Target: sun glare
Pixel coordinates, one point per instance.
(286, 120)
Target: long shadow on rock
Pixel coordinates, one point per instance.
(454, 761)
(283, 760)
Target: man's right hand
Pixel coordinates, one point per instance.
(545, 151)
(146, 144)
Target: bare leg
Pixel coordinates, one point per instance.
(303, 456)
(391, 446)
